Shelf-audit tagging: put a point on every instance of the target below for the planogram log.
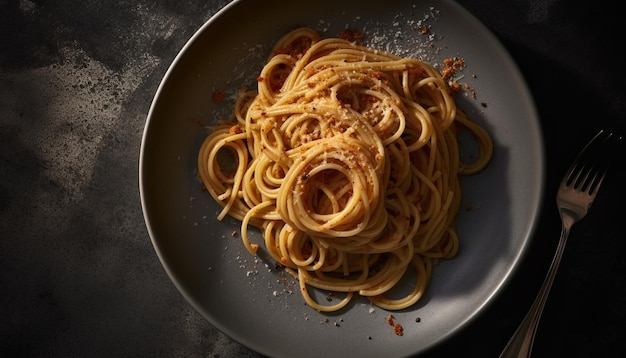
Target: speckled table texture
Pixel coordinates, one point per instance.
(78, 274)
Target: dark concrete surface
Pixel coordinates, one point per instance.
(78, 274)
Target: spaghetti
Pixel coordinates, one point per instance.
(346, 159)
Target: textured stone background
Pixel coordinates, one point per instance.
(78, 274)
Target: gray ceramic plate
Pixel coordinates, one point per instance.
(246, 297)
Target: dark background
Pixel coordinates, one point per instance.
(78, 274)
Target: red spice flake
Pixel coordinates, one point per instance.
(352, 36)
(455, 87)
(376, 75)
(484, 104)
(398, 329)
(311, 72)
(218, 96)
(470, 89)
(447, 73)
(451, 66)
(260, 79)
(424, 29)
(235, 130)
(390, 319)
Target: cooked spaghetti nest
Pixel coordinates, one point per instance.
(346, 159)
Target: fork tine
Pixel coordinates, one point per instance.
(589, 169)
(593, 189)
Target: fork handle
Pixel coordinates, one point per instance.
(521, 343)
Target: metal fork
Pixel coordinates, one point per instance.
(575, 195)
